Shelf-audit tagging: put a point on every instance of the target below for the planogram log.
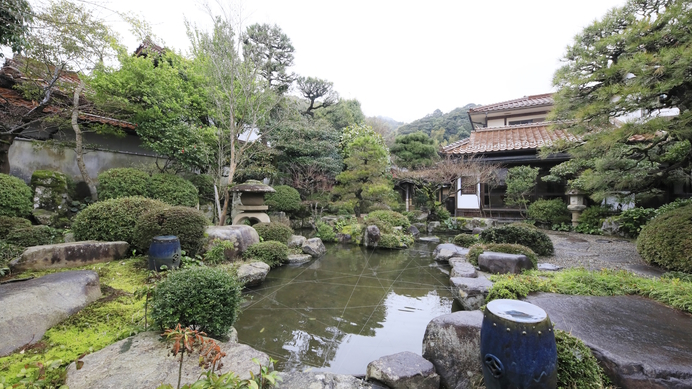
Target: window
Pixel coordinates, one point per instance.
(468, 185)
(527, 121)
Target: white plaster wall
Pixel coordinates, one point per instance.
(468, 201)
(496, 122)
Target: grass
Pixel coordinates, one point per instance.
(117, 315)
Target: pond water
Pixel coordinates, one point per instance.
(346, 309)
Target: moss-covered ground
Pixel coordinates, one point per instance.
(117, 315)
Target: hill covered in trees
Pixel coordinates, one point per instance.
(444, 128)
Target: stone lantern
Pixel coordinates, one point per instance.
(576, 205)
(251, 201)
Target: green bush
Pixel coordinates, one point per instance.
(188, 224)
(205, 298)
(34, 236)
(465, 240)
(9, 223)
(273, 231)
(534, 239)
(507, 248)
(396, 240)
(394, 219)
(325, 232)
(285, 199)
(217, 253)
(272, 253)
(577, 368)
(204, 184)
(173, 190)
(122, 182)
(632, 220)
(16, 197)
(113, 220)
(678, 203)
(667, 240)
(549, 211)
(591, 219)
(8, 252)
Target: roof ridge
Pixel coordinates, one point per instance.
(524, 98)
(525, 125)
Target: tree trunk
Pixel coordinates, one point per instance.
(6, 141)
(79, 150)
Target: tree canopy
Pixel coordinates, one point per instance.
(443, 127)
(414, 150)
(318, 92)
(626, 92)
(15, 16)
(272, 52)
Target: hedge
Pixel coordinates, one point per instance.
(9, 223)
(549, 211)
(534, 239)
(395, 219)
(122, 182)
(33, 236)
(273, 231)
(173, 190)
(285, 199)
(272, 253)
(465, 240)
(188, 224)
(507, 248)
(16, 197)
(666, 240)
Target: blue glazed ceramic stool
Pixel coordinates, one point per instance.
(518, 346)
(164, 250)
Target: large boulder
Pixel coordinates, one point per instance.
(50, 190)
(503, 263)
(312, 380)
(413, 231)
(74, 254)
(432, 226)
(253, 273)
(241, 236)
(470, 292)
(29, 308)
(296, 241)
(314, 247)
(639, 343)
(453, 344)
(371, 236)
(143, 361)
(404, 370)
(445, 251)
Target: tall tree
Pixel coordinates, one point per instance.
(521, 181)
(344, 113)
(318, 92)
(626, 92)
(15, 17)
(414, 151)
(272, 52)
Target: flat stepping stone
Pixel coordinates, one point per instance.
(429, 239)
(253, 273)
(463, 270)
(470, 292)
(443, 252)
(640, 343)
(548, 267)
(322, 380)
(299, 258)
(502, 263)
(29, 308)
(66, 255)
(404, 370)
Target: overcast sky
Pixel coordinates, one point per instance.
(404, 59)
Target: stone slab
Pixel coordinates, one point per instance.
(253, 273)
(639, 342)
(503, 263)
(429, 239)
(66, 255)
(463, 270)
(443, 252)
(322, 380)
(470, 292)
(29, 308)
(404, 370)
(299, 258)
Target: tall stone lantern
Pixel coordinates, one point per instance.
(251, 201)
(576, 205)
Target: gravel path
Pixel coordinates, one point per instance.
(595, 252)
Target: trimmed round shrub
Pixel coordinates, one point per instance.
(173, 190)
(507, 248)
(16, 197)
(325, 232)
(9, 223)
(667, 240)
(122, 182)
(204, 298)
(549, 211)
(395, 219)
(273, 231)
(396, 240)
(576, 366)
(34, 236)
(112, 220)
(591, 219)
(285, 199)
(532, 238)
(272, 253)
(204, 184)
(188, 224)
(465, 240)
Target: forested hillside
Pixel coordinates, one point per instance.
(444, 128)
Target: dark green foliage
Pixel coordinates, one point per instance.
(465, 240)
(414, 150)
(507, 248)
(678, 203)
(16, 16)
(325, 232)
(520, 183)
(15, 197)
(113, 220)
(272, 253)
(534, 239)
(394, 219)
(632, 220)
(217, 253)
(577, 368)
(122, 182)
(285, 199)
(34, 236)
(173, 190)
(395, 240)
(205, 186)
(549, 211)
(204, 298)
(274, 231)
(8, 252)
(188, 224)
(9, 223)
(591, 219)
(444, 128)
(666, 240)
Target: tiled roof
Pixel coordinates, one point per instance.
(147, 46)
(524, 102)
(518, 137)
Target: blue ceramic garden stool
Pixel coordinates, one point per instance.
(164, 250)
(518, 346)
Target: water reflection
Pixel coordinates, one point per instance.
(345, 309)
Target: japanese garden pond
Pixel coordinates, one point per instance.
(339, 312)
